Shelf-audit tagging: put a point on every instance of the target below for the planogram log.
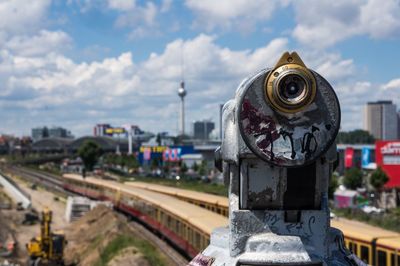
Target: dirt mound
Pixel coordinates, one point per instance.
(89, 236)
(129, 256)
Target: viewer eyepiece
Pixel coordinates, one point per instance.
(290, 86)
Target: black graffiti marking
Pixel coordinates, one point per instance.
(272, 218)
(289, 135)
(311, 221)
(307, 140)
(299, 226)
(268, 136)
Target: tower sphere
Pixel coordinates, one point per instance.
(181, 92)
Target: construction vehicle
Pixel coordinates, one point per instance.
(48, 248)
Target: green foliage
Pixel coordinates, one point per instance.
(184, 168)
(353, 178)
(195, 167)
(333, 185)
(123, 160)
(155, 163)
(121, 242)
(378, 178)
(90, 153)
(203, 168)
(355, 136)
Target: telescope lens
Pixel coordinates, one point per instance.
(292, 88)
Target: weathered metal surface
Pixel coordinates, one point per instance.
(263, 152)
(288, 139)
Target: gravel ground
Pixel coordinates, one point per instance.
(23, 233)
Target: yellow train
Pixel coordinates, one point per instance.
(373, 245)
(210, 202)
(185, 225)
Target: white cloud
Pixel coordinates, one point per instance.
(228, 14)
(323, 23)
(18, 16)
(54, 89)
(40, 44)
(392, 85)
(166, 5)
(141, 15)
(122, 5)
(141, 19)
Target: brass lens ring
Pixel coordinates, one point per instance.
(290, 88)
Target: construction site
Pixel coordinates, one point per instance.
(91, 232)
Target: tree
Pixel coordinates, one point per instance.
(203, 168)
(353, 178)
(184, 168)
(378, 178)
(195, 167)
(333, 185)
(355, 136)
(90, 153)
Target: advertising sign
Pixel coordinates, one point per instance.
(348, 157)
(146, 154)
(366, 157)
(388, 158)
(115, 130)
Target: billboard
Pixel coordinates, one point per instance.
(115, 130)
(348, 157)
(163, 153)
(174, 153)
(388, 158)
(148, 153)
(366, 157)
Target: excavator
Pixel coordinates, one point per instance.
(48, 248)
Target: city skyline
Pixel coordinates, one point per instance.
(77, 62)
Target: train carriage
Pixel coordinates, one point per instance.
(185, 225)
(214, 203)
(168, 211)
(388, 251)
(373, 245)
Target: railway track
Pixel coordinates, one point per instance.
(163, 246)
(51, 182)
(54, 183)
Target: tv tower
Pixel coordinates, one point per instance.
(182, 93)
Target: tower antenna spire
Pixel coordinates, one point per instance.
(182, 93)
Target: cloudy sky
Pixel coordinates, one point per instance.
(76, 63)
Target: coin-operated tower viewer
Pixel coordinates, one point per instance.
(278, 153)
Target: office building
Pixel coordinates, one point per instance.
(58, 132)
(398, 125)
(202, 129)
(380, 119)
(100, 130)
(54, 132)
(40, 133)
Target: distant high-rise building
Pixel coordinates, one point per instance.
(380, 119)
(398, 125)
(54, 132)
(202, 129)
(40, 133)
(58, 132)
(100, 130)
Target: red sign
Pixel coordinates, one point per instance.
(348, 157)
(387, 156)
